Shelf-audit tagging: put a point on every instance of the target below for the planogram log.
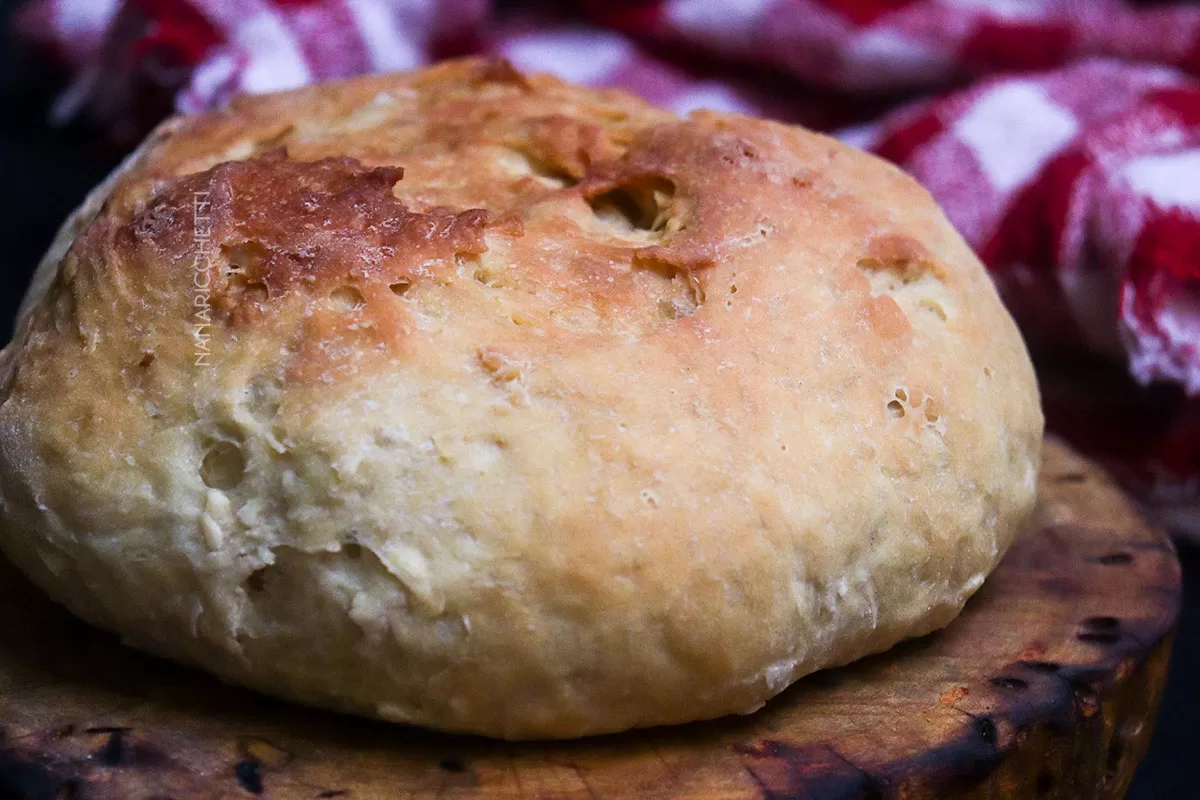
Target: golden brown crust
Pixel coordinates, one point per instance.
(499, 405)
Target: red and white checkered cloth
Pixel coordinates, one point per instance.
(1061, 136)
(889, 45)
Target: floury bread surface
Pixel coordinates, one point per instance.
(511, 407)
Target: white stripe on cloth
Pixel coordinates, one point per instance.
(276, 61)
(907, 59)
(1170, 181)
(710, 96)
(83, 19)
(213, 82)
(1005, 9)
(724, 21)
(1012, 131)
(579, 55)
(392, 30)
(254, 27)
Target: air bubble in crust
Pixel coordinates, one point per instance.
(223, 466)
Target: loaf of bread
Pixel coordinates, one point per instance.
(484, 402)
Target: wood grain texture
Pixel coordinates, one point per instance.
(1045, 687)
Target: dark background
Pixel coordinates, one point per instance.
(45, 173)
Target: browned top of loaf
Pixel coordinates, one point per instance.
(386, 186)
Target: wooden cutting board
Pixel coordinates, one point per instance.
(1045, 687)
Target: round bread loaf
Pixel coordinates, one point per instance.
(493, 404)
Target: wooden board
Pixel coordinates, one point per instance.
(1045, 687)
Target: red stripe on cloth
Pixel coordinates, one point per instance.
(899, 144)
(631, 16)
(1032, 228)
(1191, 61)
(1168, 245)
(865, 12)
(1161, 293)
(179, 25)
(327, 37)
(1182, 103)
(1017, 46)
(1023, 252)
(460, 29)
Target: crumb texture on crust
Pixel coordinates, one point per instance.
(489, 403)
